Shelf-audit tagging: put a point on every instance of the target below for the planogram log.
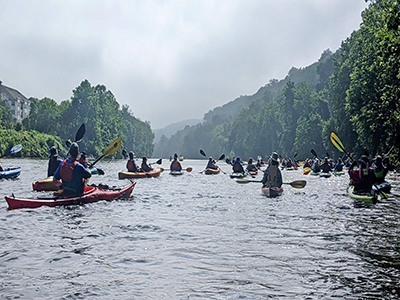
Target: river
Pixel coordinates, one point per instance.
(199, 237)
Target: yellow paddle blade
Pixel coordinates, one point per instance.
(336, 142)
(114, 147)
(189, 169)
(298, 184)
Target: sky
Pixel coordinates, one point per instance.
(167, 60)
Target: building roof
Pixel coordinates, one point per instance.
(13, 93)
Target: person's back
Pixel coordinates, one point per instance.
(130, 164)
(325, 167)
(175, 164)
(145, 167)
(316, 167)
(71, 173)
(54, 161)
(339, 165)
(237, 166)
(272, 175)
(362, 178)
(380, 171)
(211, 164)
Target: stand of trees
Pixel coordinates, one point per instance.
(354, 92)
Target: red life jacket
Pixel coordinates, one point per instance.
(131, 166)
(67, 170)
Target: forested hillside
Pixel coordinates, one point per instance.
(353, 92)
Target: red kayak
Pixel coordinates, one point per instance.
(209, 171)
(253, 173)
(272, 191)
(153, 173)
(91, 194)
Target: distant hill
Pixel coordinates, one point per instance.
(171, 129)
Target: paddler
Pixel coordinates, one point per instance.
(54, 161)
(250, 166)
(145, 166)
(237, 166)
(272, 175)
(211, 164)
(362, 177)
(71, 175)
(175, 164)
(380, 170)
(131, 164)
(325, 167)
(82, 160)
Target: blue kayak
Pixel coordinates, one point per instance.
(10, 173)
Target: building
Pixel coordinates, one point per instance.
(19, 104)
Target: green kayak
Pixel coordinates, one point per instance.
(365, 198)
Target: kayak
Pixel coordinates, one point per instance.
(153, 173)
(365, 197)
(209, 171)
(238, 175)
(44, 185)
(10, 173)
(306, 170)
(91, 194)
(271, 191)
(289, 168)
(253, 173)
(176, 173)
(384, 187)
(339, 173)
(325, 175)
(314, 173)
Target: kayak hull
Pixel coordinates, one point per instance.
(364, 198)
(253, 173)
(384, 187)
(176, 173)
(153, 173)
(325, 175)
(10, 173)
(212, 171)
(91, 194)
(271, 191)
(238, 175)
(306, 170)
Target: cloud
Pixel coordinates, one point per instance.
(168, 60)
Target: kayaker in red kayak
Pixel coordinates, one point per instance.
(82, 160)
(131, 165)
(211, 164)
(175, 164)
(54, 161)
(71, 175)
(250, 166)
(272, 175)
(145, 166)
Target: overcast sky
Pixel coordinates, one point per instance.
(169, 60)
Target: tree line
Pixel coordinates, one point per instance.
(353, 92)
(95, 106)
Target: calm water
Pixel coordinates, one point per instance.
(199, 237)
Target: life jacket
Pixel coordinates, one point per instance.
(67, 170)
(176, 166)
(272, 179)
(366, 177)
(131, 166)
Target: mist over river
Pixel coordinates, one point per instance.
(199, 237)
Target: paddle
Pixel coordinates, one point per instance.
(159, 162)
(79, 134)
(189, 169)
(220, 158)
(339, 145)
(13, 150)
(314, 153)
(298, 184)
(111, 149)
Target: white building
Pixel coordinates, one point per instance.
(19, 104)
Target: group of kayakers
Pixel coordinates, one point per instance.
(132, 167)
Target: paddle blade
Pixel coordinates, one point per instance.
(336, 142)
(162, 169)
(16, 149)
(314, 153)
(222, 156)
(298, 184)
(203, 153)
(80, 133)
(113, 147)
(189, 169)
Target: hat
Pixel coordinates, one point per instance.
(274, 156)
(53, 151)
(74, 149)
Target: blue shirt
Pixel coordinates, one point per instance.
(80, 173)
